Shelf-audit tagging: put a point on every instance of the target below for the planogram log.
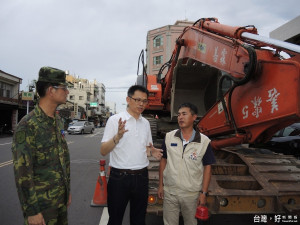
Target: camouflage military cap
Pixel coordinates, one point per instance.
(52, 75)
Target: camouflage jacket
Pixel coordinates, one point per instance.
(41, 162)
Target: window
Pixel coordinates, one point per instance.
(157, 60)
(80, 97)
(158, 41)
(72, 97)
(227, 84)
(287, 131)
(5, 90)
(2, 86)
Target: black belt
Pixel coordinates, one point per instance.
(128, 171)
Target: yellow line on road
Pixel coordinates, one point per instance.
(6, 163)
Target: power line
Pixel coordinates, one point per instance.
(116, 87)
(90, 88)
(117, 91)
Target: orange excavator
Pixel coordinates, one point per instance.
(264, 95)
(245, 91)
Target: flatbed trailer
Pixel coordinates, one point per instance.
(245, 181)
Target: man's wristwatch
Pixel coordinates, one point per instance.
(205, 193)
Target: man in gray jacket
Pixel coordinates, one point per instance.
(185, 169)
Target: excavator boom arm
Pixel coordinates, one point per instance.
(256, 105)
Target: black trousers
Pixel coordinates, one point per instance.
(122, 188)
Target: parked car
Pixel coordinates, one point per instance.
(72, 122)
(81, 127)
(286, 141)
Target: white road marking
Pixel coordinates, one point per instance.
(96, 133)
(104, 217)
(85, 161)
(6, 143)
(6, 163)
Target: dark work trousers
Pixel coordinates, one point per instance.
(123, 187)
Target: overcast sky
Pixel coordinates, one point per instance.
(102, 39)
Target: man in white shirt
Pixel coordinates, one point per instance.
(127, 137)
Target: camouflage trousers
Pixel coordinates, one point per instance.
(54, 216)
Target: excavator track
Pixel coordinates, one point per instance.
(249, 180)
(153, 126)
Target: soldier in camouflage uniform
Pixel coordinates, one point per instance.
(41, 156)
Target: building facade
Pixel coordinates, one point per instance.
(289, 32)
(102, 91)
(97, 105)
(112, 108)
(86, 99)
(160, 45)
(9, 101)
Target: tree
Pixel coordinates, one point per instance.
(32, 86)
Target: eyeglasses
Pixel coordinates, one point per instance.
(138, 100)
(65, 88)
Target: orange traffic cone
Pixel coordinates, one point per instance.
(100, 195)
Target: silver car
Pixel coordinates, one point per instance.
(81, 127)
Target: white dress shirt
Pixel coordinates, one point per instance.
(130, 152)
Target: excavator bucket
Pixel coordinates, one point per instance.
(194, 82)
